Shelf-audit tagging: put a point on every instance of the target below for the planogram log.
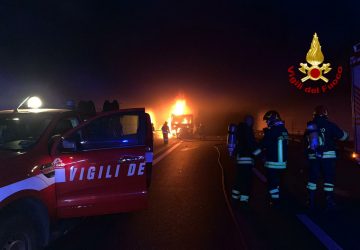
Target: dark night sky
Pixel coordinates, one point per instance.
(232, 53)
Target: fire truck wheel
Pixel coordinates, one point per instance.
(17, 232)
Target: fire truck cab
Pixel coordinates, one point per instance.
(54, 166)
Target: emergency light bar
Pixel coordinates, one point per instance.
(32, 102)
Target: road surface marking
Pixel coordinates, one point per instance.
(314, 229)
(166, 153)
(189, 148)
(164, 148)
(242, 239)
(323, 237)
(320, 234)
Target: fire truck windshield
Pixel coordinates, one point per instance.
(20, 131)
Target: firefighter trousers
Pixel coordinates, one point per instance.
(243, 180)
(273, 176)
(326, 167)
(166, 138)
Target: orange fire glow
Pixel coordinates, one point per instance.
(152, 116)
(164, 113)
(179, 108)
(185, 121)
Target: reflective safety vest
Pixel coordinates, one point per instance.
(275, 144)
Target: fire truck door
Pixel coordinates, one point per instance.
(100, 166)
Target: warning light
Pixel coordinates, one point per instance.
(34, 102)
(354, 155)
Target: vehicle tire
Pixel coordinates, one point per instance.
(17, 233)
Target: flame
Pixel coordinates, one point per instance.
(170, 135)
(185, 121)
(314, 55)
(179, 107)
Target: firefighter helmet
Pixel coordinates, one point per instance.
(320, 110)
(249, 120)
(271, 115)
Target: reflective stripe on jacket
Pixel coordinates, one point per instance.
(275, 143)
(244, 160)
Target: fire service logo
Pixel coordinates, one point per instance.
(312, 77)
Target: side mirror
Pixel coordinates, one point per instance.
(53, 140)
(69, 146)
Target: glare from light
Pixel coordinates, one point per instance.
(354, 155)
(184, 121)
(179, 108)
(152, 116)
(34, 102)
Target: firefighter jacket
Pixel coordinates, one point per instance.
(245, 144)
(275, 144)
(328, 133)
(165, 129)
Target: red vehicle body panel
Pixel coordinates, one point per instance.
(35, 174)
(98, 181)
(22, 172)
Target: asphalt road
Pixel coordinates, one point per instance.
(188, 208)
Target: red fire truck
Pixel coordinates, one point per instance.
(355, 91)
(54, 166)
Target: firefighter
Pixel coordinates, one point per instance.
(275, 145)
(245, 146)
(321, 135)
(165, 131)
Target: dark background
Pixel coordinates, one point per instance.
(225, 57)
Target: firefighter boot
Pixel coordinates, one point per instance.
(311, 200)
(244, 202)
